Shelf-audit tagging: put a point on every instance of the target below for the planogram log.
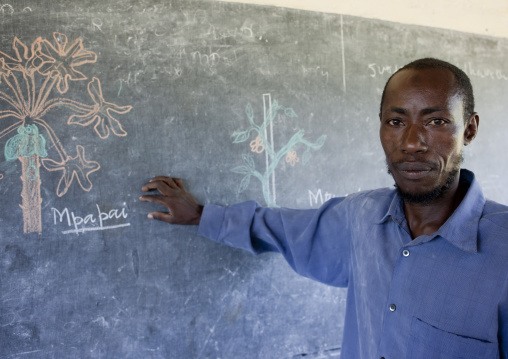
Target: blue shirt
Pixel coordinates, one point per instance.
(443, 295)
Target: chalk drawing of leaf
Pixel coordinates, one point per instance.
(241, 170)
(247, 159)
(320, 142)
(289, 112)
(249, 112)
(73, 167)
(306, 156)
(101, 114)
(60, 61)
(244, 184)
(23, 57)
(241, 136)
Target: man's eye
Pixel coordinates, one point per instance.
(394, 122)
(437, 122)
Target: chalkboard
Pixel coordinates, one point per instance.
(241, 102)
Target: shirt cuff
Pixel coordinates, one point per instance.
(211, 221)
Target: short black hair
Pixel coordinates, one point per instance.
(464, 87)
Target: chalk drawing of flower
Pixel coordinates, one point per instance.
(256, 145)
(264, 142)
(60, 62)
(73, 167)
(292, 158)
(101, 114)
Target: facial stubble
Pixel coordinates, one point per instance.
(430, 196)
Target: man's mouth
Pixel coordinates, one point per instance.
(413, 170)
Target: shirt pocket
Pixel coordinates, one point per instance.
(429, 342)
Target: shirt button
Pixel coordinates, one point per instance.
(393, 307)
(405, 253)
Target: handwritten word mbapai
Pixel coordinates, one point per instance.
(98, 221)
(317, 198)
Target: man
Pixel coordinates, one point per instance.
(425, 264)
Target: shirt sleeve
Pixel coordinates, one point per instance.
(503, 322)
(314, 242)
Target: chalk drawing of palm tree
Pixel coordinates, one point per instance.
(264, 142)
(33, 81)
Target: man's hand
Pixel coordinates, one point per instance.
(182, 206)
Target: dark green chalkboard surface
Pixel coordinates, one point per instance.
(241, 102)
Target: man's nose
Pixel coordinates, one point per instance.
(414, 140)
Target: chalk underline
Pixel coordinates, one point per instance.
(88, 229)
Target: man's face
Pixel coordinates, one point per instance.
(422, 131)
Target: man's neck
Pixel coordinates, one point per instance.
(428, 218)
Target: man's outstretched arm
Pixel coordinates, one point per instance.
(182, 207)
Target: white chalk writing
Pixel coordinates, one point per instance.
(97, 24)
(316, 71)
(90, 222)
(7, 9)
(317, 198)
(495, 74)
(376, 70)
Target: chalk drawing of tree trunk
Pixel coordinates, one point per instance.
(33, 81)
(264, 142)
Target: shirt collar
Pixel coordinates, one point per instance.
(461, 229)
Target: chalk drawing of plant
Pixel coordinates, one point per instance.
(264, 142)
(33, 81)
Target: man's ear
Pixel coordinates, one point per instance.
(471, 129)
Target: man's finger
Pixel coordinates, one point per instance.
(179, 183)
(161, 186)
(170, 181)
(154, 199)
(160, 216)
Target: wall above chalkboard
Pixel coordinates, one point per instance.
(472, 16)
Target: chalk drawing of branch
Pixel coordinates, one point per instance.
(264, 142)
(28, 80)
